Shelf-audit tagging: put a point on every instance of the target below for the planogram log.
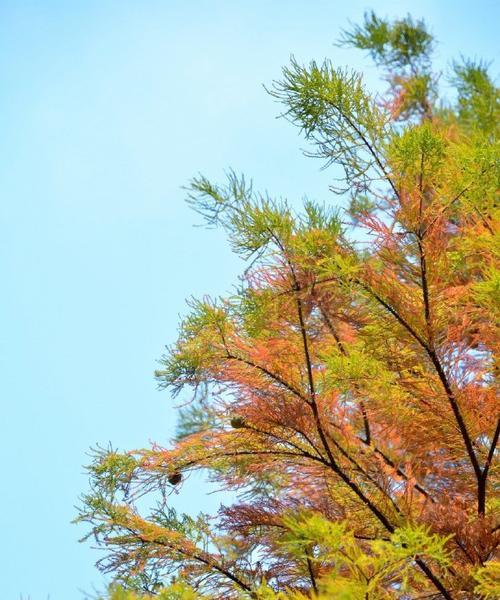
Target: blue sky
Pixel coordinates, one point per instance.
(106, 110)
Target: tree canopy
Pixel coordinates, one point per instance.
(346, 391)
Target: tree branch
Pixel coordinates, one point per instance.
(367, 145)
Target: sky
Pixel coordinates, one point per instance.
(107, 109)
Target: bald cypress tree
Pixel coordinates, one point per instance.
(346, 393)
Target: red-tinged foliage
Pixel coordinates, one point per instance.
(346, 393)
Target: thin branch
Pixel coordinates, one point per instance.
(331, 328)
(364, 473)
(419, 487)
(204, 558)
(484, 220)
(395, 314)
(270, 374)
(311, 572)
(435, 580)
(484, 476)
(492, 449)
(456, 411)
(456, 199)
(368, 146)
(442, 377)
(425, 291)
(286, 441)
(343, 351)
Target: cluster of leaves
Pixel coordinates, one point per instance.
(346, 392)
(403, 48)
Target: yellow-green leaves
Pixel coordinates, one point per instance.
(488, 580)
(310, 530)
(394, 44)
(317, 91)
(413, 541)
(200, 344)
(253, 222)
(337, 115)
(175, 591)
(357, 367)
(417, 150)
(478, 97)
(378, 568)
(487, 292)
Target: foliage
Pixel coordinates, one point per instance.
(346, 391)
(175, 591)
(489, 580)
(478, 98)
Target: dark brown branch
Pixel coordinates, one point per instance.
(395, 314)
(437, 364)
(360, 469)
(484, 476)
(435, 580)
(333, 464)
(335, 467)
(368, 146)
(401, 473)
(331, 328)
(484, 220)
(311, 572)
(425, 291)
(287, 441)
(207, 457)
(398, 470)
(492, 449)
(270, 374)
(203, 558)
(442, 377)
(456, 411)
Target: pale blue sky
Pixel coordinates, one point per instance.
(106, 110)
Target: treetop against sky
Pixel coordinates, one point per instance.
(345, 392)
(107, 109)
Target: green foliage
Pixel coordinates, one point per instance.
(478, 97)
(256, 309)
(176, 591)
(196, 347)
(401, 43)
(194, 417)
(358, 365)
(252, 222)
(360, 569)
(336, 113)
(487, 291)
(338, 391)
(305, 530)
(112, 471)
(419, 151)
(413, 541)
(488, 580)
(404, 48)
(360, 206)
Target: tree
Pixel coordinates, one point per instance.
(347, 390)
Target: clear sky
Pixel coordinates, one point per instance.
(106, 110)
